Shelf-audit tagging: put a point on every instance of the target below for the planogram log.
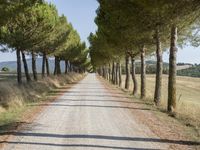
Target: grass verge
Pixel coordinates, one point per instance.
(18, 103)
(163, 124)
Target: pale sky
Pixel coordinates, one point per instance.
(81, 14)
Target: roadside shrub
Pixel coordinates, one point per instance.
(5, 69)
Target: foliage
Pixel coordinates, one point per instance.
(191, 72)
(124, 26)
(5, 69)
(34, 26)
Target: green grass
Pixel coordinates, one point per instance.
(10, 118)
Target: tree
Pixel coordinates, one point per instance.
(142, 26)
(24, 33)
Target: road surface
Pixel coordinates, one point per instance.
(88, 116)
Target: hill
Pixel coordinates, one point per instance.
(193, 71)
(12, 65)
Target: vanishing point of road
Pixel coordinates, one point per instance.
(89, 116)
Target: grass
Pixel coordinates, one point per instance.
(159, 121)
(5, 76)
(16, 101)
(188, 96)
(10, 118)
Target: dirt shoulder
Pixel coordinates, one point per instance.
(169, 129)
(32, 110)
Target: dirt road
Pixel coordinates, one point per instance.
(88, 116)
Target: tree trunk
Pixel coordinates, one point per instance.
(34, 69)
(66, 66)
(120, 75)
(159, 71)
(100, 71)
(116, 74)
(127, 81)
(28, 78)
(71, 67)
(113, 72)
(43, 64)
(19, 70)
(172, 71)
(107, 73)
(135, 85)
(143, 73)
(110, 74)
(103, 75)
(58, 67)
(47, 66)
(57, 70)
(55, 67)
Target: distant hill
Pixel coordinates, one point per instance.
(152, 62)
(193, 71)
(12, 65)
(182, 66)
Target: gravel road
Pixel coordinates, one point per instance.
(88, 116)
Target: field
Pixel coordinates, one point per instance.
(188, 95)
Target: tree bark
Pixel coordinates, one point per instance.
(47, 67)
(113, 72)
(172, 71)
(55, 67)
(135, 85)
(117, 74)
(143, 73)
(120, 75)
(71, 67)
(28, 78)
(100, 71)
(66, 66)
(43, 64)
(127, 81)
(104, 72)
(19, 70)
(107, 73)
(110, 73)
(69, 63)
(58, 67)
(34, 69)
(159, 71)
(57, 70)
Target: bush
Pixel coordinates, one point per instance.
(5, 69)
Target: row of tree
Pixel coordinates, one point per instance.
(136, 28)
(33, 27)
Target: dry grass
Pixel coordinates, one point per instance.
(188, 95)
(14, 99)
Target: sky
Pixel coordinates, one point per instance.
(81, 14)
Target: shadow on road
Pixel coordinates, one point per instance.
(92, 106)
(78, 145)
(99, 137)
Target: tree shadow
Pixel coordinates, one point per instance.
(103, 137)
(91, 106)
(9, 126)
(12, 126)
(109, 100)
(100, 95)
(77, 145)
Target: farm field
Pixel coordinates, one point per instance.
(188, 94)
